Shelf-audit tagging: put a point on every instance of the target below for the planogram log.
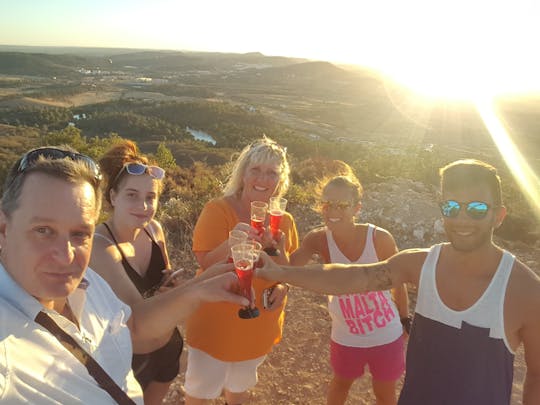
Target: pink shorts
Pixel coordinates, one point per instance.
(386, 362)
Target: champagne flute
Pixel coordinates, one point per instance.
(277, 208)
(236, 236)
(258, 216)
(257, 247)
(243, 256)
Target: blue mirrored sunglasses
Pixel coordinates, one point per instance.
(138, 169)
(31, 157)
(474, 209)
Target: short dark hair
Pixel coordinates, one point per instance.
(70, 170)
(467, 173)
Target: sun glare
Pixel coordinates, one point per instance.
(442, 81)
(526, 178)
(463, 53)
(463, 50)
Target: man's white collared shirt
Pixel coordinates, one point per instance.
(34, 366)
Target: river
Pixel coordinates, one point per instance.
(201, 136)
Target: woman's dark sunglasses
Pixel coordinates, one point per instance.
(30, 158)
(474, 209)
(138, 169)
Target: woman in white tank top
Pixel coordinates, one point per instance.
(366, 328)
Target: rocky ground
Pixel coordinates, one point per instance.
(297, 371)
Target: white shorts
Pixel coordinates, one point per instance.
(206, 377)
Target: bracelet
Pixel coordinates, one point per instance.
(406, 322)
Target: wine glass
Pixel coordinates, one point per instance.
(257, 247)
(276, 208)
(258, 216)
(236, 236)
(243, 256)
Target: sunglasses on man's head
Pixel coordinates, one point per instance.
(474, 209)
(138, 169)
(31, 157)
(337, 205)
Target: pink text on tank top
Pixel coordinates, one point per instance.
(366, 312)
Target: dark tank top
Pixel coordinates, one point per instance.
(163, 364)
(153, 275)
(459, 357)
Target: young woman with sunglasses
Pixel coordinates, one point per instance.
(130, 253)
(366, 328)
(224, 351)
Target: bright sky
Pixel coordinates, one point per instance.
(449, 48)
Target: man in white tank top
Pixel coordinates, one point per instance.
(476, 303)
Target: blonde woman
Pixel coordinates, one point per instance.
(224, 351)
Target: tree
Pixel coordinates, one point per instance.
(67, 136)
(164, 157)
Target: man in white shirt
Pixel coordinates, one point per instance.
(50, 205)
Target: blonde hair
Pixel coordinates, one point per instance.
(261, 151)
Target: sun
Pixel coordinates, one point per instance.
(442, 79)
(525, 177)
(463, 50)
(465, 53)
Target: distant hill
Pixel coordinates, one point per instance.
(148, 59)
(14, 60)
(211, 61)
(322, 80)
(39, 64)
(63, 50)
(309, 71)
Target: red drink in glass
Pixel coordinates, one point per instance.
(275, 221)
(258, 215)
(244, 271)
(258, 224)
(243, 255)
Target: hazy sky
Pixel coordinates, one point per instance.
(446, 47)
